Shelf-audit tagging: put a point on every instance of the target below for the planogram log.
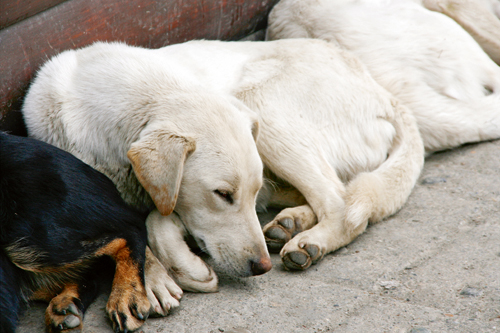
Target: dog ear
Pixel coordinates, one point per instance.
(158, 163)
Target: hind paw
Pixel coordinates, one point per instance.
(162, 291)
(64, 314)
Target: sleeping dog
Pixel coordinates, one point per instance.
(189, 128)
(423, 58)
(59, 220)
(478, 17)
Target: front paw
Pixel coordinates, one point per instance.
(300, 253)
(280, 231)
(128, 307)
(64, 314)
(163, 293)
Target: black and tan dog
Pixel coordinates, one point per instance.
(59, 220)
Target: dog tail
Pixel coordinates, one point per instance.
(372, 196)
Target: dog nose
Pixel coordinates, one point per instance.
(261, 266)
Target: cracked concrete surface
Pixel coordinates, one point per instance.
(432, 267)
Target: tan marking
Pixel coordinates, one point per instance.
(49, 291)
(63, 301)
(112, 248)
(24, 257)
(29, 259)
(128, 290)
(45, 294)
(45, 281)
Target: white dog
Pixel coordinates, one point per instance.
(177, 127)
(423, 58)
(143, 118)
(478, 17)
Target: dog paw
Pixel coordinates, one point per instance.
(280, 231)
(162, 291)
(64, 314)
(301, 254)
(197, 277)
(128, 307)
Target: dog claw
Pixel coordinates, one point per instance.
(69, 309)
(127, 307)
(72, 309)
(138, 314)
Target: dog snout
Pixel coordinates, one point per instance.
(261, 266)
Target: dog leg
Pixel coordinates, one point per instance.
(324, 191)
(128, 305)
(477, 20)
(68, 304)
(65, 311)
(329, 234)
(342, 211)
(163, 293)
(338, 227)
(288, 223)
(166, 238)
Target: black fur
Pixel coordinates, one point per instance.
(56, 211)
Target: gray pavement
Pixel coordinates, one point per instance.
(432, 267)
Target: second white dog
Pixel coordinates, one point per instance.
(423, 58)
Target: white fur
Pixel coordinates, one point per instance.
(478, 17)
(423, 58)
(323, 125)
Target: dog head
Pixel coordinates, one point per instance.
(205, 166)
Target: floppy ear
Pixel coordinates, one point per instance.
(158, 163)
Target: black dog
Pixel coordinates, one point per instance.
(59, 218)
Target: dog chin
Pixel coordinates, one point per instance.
(228, 269)
(221, 262)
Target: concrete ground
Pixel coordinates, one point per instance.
(432, 267)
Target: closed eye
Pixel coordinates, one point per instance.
(227, 196)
